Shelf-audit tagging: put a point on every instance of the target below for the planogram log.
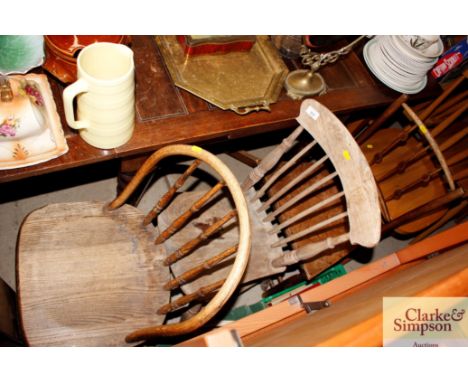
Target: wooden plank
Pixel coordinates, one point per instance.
(156, 96)
(369, 332)
(445, 239)
(356, 320)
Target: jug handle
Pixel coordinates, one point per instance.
(78, 87)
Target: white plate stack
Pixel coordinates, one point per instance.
(402, 62)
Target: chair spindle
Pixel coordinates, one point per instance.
(300, 196)
(309, 230)
(196, 271)
(200, 294)
(283, 169)
(308, 211)
(190, 245)
(182, 219)
(312, 169)
(167, 197)
(271, 159)
(310, 250)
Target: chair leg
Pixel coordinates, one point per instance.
(246, 158)
(392, 109)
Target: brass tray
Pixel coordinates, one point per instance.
(238, 81)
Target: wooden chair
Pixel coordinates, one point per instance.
(91, 273)
(418, 169)
(345, 181)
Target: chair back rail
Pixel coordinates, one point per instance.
(353, 170)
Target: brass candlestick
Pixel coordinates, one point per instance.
(307, 82)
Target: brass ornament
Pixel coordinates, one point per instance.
(307, 82)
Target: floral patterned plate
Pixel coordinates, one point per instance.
(30, 128)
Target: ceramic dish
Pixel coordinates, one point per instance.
(62, 51)
(418, 64)
(30, 129)
(401, 61)
(397, 74)
(19, 54)
(432, 51)
(373, 58)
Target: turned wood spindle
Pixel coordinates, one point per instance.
(283, 169)
(447, 108)
(190, 245)
(200, 294)
(167, 197)
(449, 120)
(182, 219)
(399, 140)
(454, 139)
(309, 230)
(311, 170)
(425, 209)
(332, 200)
(404, 164)
(196, 271)
(423, 181)
(271, 159)
(458, 157)
(392, 109)
(441, 98)
(401, 167)
(378, 157)
(309, 251)
(300, 196)
(461, 175)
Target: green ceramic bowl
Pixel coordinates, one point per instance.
(19, 54)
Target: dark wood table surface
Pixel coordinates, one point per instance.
(168, 115)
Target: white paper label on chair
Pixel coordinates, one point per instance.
(314, 114)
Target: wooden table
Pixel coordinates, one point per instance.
(168, 115)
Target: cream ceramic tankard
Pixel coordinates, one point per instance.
(105, 92)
